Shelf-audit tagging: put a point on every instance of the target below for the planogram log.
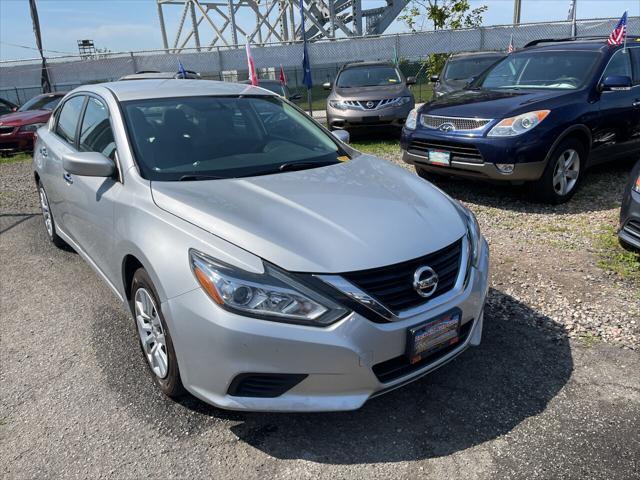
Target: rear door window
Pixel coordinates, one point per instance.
(68, 119)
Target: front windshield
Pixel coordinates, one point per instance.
(466, 68)
(43, 102)
(375, 76)
(193, 138)
(542, 69)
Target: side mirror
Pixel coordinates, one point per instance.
(14, 109)
(88, 164)
(341, 135)
(295, 97)
(434, 78)
(326, 85)
(616, 83)
(411, 80)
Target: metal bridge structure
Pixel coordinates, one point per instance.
(209, 24)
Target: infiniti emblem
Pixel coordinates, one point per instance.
(425, 281)
(370, 104)
(447, 127)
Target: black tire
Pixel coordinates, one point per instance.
(547, 189)
(46, 210)
(171, 384)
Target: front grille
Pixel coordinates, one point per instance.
(369, 104)
(459, 123)
(263, 385)
(393, 285)
(633, 228)
(400, 366)
(459, 151)
(6, 130)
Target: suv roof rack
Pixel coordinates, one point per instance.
(574, 39)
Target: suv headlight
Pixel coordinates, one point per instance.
(339, 104)
(514, 126)
(273, 295)
(402, 100)
(636, 186)
(412, 120)
(32, 127)
(473, 232)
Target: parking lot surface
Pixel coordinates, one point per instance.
(552, 392)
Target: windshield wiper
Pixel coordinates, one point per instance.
(186, 178)
(291, 166)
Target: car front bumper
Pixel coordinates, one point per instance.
(16, 141)
(390, 116)
(214, 346)
(629, 231)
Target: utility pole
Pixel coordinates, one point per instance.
(573, 17)
(517, 11)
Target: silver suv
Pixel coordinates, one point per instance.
(369, 94)
(267, 265)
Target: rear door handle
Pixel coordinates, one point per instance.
(43, 151)
(67, 178)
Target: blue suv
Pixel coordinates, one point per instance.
(542, 115)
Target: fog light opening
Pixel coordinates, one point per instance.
(505, 168)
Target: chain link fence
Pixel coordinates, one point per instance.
(20, 80)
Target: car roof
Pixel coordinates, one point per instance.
(158, 88)
(491, 53)
(260, 81)
(598, 44)
(367, 64)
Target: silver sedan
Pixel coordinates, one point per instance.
(267, 265)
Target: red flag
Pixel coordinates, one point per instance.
(283, 77)
(253, 76)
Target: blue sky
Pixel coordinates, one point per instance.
(123, 25)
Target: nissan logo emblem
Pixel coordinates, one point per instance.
(370, 104)
(425, 281)
(447, 127)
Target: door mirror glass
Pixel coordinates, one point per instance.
(616, 83)
(435, 78)
(341, 135)
(88, 164)
(411, 80)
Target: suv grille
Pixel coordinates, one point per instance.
(460, 124)
(370, 104)
(393, 285)
(459, 152)
(6, 130)
(633, 228)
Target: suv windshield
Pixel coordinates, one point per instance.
(541, 69)
(194, 138)
(465, 68)
(44, 102)
(374, 76)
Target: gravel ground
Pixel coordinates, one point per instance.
(531, 402)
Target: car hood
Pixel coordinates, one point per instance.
(356, 215)
(491, 104)
(372, 93)
(25, 118)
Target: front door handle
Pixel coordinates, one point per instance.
(67, 178)
(43, 151)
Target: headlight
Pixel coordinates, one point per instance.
(513, 126)
(339, 104)
(473, 232)
(412, 120)
(272, 295)
(32, 127)
(402, 100)
(636, 187)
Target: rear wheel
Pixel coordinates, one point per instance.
(563, 173)
(155, 339)
(47, 215)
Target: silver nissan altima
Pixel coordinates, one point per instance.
(267, 265)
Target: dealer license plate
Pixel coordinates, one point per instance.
(440, 157)
(433, 335)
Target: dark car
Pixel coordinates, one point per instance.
(276, 87)
(7, 107)
(461, 68)
(629, 233)
(369, 94)
(17, 129)
(542, 115)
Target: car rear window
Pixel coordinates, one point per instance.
(225, 137)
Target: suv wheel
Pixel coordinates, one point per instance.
(563, 172)
(47, 215)
(155, 339)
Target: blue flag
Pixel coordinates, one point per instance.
(306, 66)
(181, 69)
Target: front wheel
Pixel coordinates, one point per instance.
(155, 339)
(563, 173)
(47, 215)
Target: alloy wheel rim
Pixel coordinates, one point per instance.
(566, 172)
(46, 213)
(152, 335)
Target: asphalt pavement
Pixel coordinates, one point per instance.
(76, 400)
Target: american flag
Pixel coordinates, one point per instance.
(617, 37)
